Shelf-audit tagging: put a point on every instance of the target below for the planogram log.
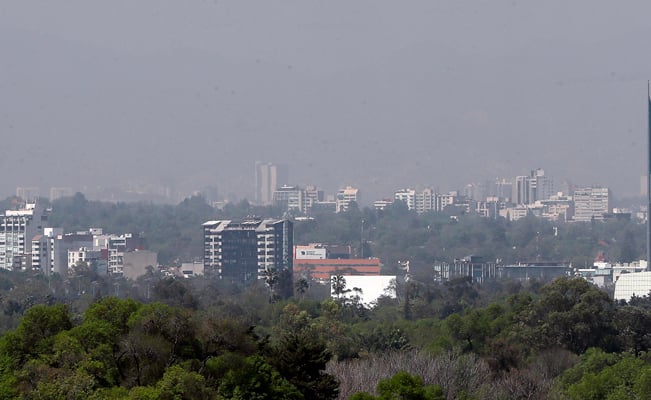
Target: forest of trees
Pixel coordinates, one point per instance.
(201, 339)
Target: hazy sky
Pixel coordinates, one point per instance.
(378, 94)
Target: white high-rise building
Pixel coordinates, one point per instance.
(419, 201)
(591, 203)
(17, 229)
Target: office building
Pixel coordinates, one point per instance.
(244, 251)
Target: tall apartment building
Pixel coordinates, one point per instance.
(243, 251)
(419, 201)
(591, 203)
(44, 250)
(346, 196)
(17, 229)
(268, 178)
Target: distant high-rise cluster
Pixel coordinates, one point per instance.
(534, 187)
(531, 194)
(268, 178)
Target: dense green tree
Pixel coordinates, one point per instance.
(603, 376)
(403, 386)
(571, 313)
(252, 378)
(36, 333)
(180, 384)
(300, 354)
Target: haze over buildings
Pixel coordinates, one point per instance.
(373, 94)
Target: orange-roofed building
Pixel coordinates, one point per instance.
(323, 269)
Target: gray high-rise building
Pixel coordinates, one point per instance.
(244, 251)
(268, 178)
(529, 189)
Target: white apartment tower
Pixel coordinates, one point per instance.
(17, 229)
(419, 201)
(591, 203)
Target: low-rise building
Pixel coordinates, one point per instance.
(321, 270)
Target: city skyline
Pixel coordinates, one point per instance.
(476, 190)
(373, 94)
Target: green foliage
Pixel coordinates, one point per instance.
(179, 384)
(573, 314)
(252, 378)
(36, 332)
(300, 354)
(607, 376)
(403, 386)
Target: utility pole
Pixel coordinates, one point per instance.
(362, 239)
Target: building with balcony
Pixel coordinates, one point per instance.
(243, 251)
(17, 231)
(591, 203)
(346, 196)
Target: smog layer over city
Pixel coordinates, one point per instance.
(168, 96)
(325, 200)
